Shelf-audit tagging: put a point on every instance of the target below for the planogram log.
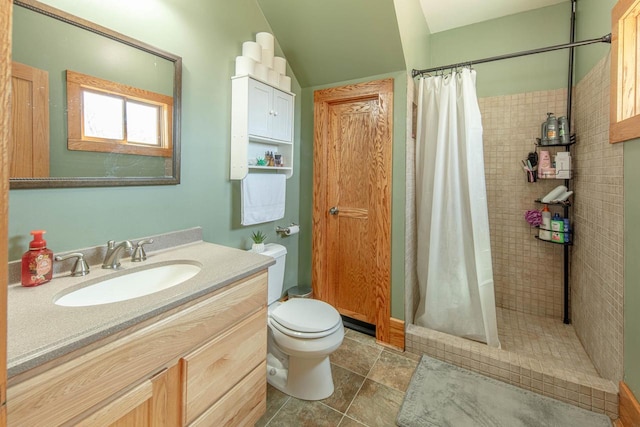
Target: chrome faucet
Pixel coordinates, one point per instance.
(114, 253)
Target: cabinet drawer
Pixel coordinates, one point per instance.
(215, 368)
(242, 406)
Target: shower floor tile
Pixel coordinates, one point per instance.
(545, 339)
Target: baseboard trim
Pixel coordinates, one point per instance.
(629, 407)
(396, 333)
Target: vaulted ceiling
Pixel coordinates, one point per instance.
(327, 41)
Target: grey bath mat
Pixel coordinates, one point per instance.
(441, 395)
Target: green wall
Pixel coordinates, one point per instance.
(398, 186)
(593, 20)
(414, 33)
(530, 30)
(208, 35)
(632, 266)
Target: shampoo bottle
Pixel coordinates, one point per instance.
(557, 229)
(545, 227)
(37, 262)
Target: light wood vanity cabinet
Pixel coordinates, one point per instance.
(201, 365)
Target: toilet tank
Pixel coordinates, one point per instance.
(276, 271)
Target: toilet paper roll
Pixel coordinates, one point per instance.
(265, 40)
(267, 57)
(244, 66)
(273, 78)
(252, 50)
(280, 64)
(292, 229)
(285, 83)
(262, 72)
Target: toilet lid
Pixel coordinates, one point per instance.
(306, 315)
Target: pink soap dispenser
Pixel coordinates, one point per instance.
(37, 262)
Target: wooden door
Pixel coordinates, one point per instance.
(352, 201)
(29, 148)
(5, 121)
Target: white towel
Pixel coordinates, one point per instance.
(262, 198)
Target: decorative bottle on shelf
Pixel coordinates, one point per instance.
(37, 262)
(545, 227)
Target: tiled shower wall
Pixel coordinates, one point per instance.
(528, 273)
(597, 268)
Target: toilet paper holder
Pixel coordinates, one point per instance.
(287, 231)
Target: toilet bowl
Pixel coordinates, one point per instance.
(302, 333)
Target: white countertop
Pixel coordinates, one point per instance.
(40, 331)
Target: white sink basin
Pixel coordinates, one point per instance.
(132, 285)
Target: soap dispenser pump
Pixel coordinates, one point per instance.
(37, 262)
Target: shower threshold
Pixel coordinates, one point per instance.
(538, 354)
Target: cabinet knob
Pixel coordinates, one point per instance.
(275, 113)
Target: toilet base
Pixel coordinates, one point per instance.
(306, 379)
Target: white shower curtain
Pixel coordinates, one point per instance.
(453, 253)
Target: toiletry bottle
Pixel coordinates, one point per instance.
(557, 229)
(567, 231)
(37, 262)
(563, 130)
(552, 128)
(545, 227)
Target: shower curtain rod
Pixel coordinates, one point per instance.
(603, 39)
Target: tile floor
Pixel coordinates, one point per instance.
(370, 382)
(548, 340)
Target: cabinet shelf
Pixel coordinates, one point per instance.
(272, 168)
(572, 140)
(556, 243)
(564, 204)
(266, 141)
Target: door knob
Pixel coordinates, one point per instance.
(334, 211)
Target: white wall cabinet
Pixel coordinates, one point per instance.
(261, 121)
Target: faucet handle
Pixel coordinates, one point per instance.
(80, 268)
(138, 253)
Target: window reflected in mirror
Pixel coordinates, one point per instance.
(107, 116)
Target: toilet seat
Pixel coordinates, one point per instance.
(305, 318)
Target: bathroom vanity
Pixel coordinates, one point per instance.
(193, 354)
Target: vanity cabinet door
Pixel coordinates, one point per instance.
(242, 406)
(216, 367)
(153, 403)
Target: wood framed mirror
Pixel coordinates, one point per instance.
(48, 46)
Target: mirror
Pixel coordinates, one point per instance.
(77, 45)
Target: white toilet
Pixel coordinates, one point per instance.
(302, 333)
